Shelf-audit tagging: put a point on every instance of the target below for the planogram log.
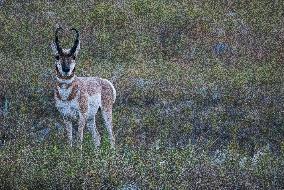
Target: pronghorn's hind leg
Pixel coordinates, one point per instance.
(108, 98)
(107, 115)
(91, 125)
(94, 104)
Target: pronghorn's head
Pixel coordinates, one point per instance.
(65, 58)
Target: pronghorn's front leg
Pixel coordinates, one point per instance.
(68, 126)
(81, 125)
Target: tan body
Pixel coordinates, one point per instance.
(78, 100)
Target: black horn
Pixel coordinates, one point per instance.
(57, 43)
(76, 42)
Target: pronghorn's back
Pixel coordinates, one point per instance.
(91, 86)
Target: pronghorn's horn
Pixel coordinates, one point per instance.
(76, 42)
(59, 49)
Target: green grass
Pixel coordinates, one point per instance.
(178, 103)
(51, 166)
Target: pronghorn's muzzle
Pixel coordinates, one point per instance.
(65, 69)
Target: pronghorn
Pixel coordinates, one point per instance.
(79, 98)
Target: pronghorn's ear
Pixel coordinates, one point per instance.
(53, 48)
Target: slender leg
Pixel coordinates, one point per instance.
(107, 115)
(68, 125)
(81, 125)
(93, 129)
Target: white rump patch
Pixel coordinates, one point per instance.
(94, 102)
(113, 90)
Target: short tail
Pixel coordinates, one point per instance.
(113, 91)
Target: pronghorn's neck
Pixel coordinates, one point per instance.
(65, 82)
(66, 89)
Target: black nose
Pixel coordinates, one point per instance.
(65, 69)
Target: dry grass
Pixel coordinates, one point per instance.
(199, 103)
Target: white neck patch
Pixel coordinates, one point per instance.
(65, 81)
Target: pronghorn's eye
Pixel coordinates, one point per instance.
(57, 57)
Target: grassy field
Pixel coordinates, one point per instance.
(199, 94)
